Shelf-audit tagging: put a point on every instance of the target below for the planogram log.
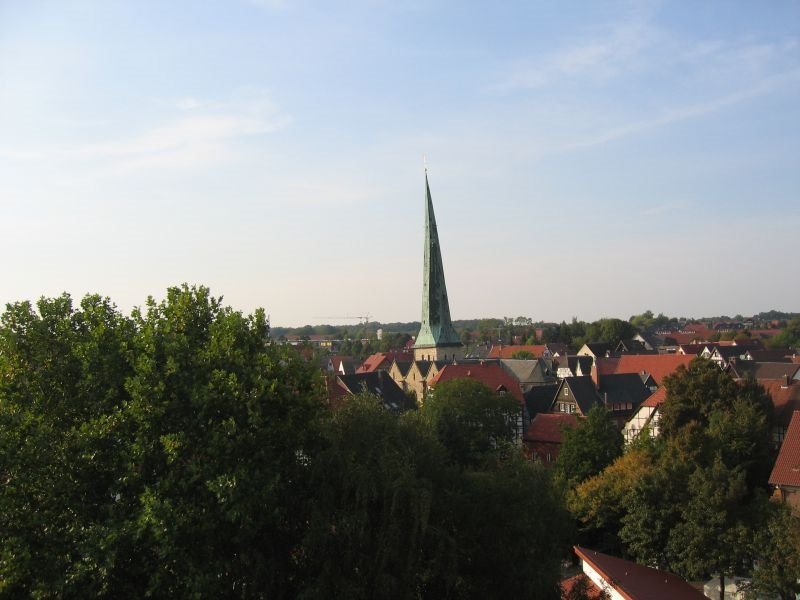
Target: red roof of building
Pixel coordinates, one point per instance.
(592, 592)
(785, 399)
(503, 351)
(787, 466)
(379, 359)
(636, 582)
(546, 427)
(336, 392)
(656, 399)
(657, 365)
(491, 375)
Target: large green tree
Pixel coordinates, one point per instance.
(693, 500)
(470, 419)
(160, 454)
(588, 448)
(177, 452)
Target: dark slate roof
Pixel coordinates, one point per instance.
(583, 390)
(572, 363)
(557, 348)
(528, 371)
(775, 355)
(623, 388)
(600, 348)
(764, 370)
(424, 366)
(636, 582)
(728, 352)
(380, 384)
(403, 366)
(540, 398)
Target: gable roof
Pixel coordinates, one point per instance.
(636, 582)
(503, 351)
(403, 366)
(529, 371)
(573, 362)
(583, 583)
(341, 362)
(787, 466)
(785, 399)
(772, 355)
(656, 399)
(559, 348)
(491, 375)
(657, 365)
(583, 390)
(380, 384)
(623, 388)
(380, 359)
(546, 427)
(598, 349)
(539, 398)
(764, 371)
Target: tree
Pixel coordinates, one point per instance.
(393, 518)
(697, 509)
(160, 454)
(789, 337)
(179, 453)
(522, 355)
(588, 448)
(471, 420)
(600, 502)
(375, 524)
(713, 533)
(777, 550)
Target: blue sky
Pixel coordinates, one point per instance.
(585, 159)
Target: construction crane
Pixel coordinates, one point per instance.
(363, 319)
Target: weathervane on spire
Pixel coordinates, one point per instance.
(425, 163)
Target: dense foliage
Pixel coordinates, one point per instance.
(693, 500)
(588, 448)
(179, 453)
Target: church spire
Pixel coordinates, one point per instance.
(437, 339)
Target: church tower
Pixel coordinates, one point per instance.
(437, 340)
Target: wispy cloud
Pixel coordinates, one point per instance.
(192, 133)
(683, 113)
(600, 58)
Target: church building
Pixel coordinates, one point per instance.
(437, 339)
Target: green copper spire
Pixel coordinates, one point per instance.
(437, 329)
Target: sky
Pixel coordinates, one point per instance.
(586, 159)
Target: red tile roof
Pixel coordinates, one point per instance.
(546, 427)
(592, 592)
(636, 582)
(656, 399)
(503, 351)
(657, 365)
(785, 399)
(491, 375)
(379, 359)
(787, 466)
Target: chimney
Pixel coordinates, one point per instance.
(595, 375)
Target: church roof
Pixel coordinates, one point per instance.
(436, 328)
